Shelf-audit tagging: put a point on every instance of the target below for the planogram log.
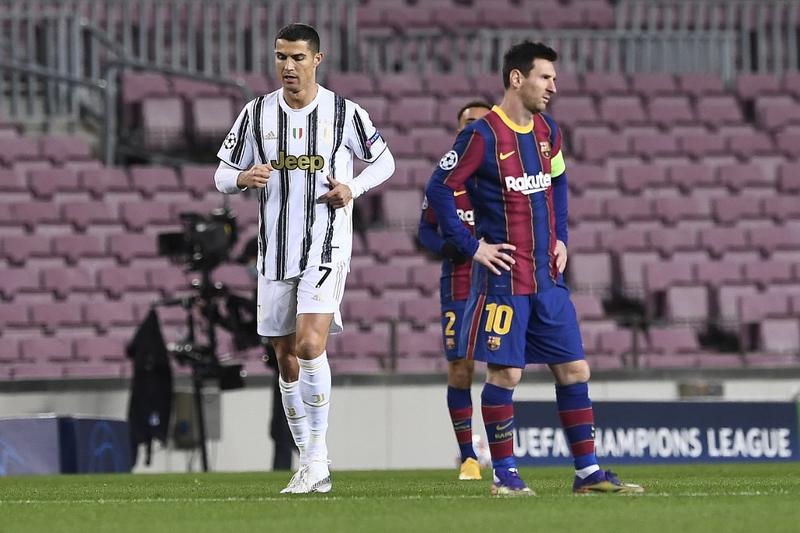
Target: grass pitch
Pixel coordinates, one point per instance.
(685, 498)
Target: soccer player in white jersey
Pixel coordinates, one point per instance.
(295, 146)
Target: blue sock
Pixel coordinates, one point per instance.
(498, 417)
(459, 402)
(577, 419)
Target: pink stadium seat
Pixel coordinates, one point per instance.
(719, 110)
(775, 112)
(386, 243)
(772, 238)
(687, 177)
(100, 348)
(126, 246)
(590, 271)
(167, 279)
(359, 366)
(588, 306)
(655, 144)
(739, 176)
(138, 215)
(719, 240)
(420, 311)
(622, 239)
(769, 272)
(604, 83)
(18, 149)
(33, 214)
(400, 85)
(781, 335)
(433, 142)
(413, 111)
(102, 180)
(585, 176)
(82, 214)
(746, 145)
(636, 178)
(674, 210)
(426, 277)
(617, 342)
(727, 299)
(629, 209)
(702, 144)
(383, 276)
(9, 350)
(62, 148)
(632, 269)
(715, 273)
(18, 280)
(212, 116)
(669, 241)
(17, 249)
(401, 208)
(583, 239)
(191, 89)
(781, 208)
(660, 276)
(198, 179)
(425, 342)
(137, 85)
(372, 343)
(10, 181)
(64, 281)
(106, 314)
(788, 144)
(622, 110)
(117, 281)
(258, 83)
(37, 372)
(418, 365)
(732, 209)
(152, 179)
(506, 18)
(700, 84)
(163, 122)
(670, 110)
(649, 84)
(586, 209)
(750, 85)
(674, 340)
(51, 316)
(688, 303)
(78, 246)
(596, 144)
(575, 110)
(351, 84)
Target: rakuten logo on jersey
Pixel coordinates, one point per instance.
(467, 216)
(528, 184)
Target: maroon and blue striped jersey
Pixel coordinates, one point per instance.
(516, 180)
(455, 278)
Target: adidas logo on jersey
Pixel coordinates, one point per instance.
(467, 216)
(528, 184)
(303, 162)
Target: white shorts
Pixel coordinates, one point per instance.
(319, 289)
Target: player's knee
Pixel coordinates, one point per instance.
(309, 347)
(460, 374)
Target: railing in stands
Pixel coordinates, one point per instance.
(212, 37)
(579, 51)
(766, 30)
(45, 85)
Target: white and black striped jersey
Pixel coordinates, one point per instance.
(303, 146)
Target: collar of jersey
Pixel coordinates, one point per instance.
(510, 123)
(305, 109)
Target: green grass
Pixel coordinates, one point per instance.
(679, 499)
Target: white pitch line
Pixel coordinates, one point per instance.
(104, 501)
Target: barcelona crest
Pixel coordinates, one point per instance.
(544, 148)
(493, 343)
(450, 343)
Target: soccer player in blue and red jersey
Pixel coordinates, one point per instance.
(519, 310)
(453, 292)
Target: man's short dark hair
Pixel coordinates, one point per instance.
(300, 32)
(474, 103)
(521, 56)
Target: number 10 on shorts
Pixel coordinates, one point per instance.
(498, 320)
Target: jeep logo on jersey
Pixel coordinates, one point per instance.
(303, 162)
(467, 216)
(528, 184)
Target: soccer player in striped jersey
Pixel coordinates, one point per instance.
(453, 292)
(295, 147)
(519, 310)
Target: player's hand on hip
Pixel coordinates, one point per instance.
(339, 195)
(561, 256)
(255, 177)
(493, 256)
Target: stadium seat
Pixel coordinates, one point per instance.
(191, 89)
(628, 209)
(671, 240)
(412, 111)
(33, 214)
(150, 180)
(105, 314)
(386, 243)
(163, 123)
(718, 110)
(719, 240)
(605, 83)
(781, 335)
(18, 280)
(675, 340)
(636, 178)
(650, 84)
(351, 84)
(401, 208)
(622, 110)
(103, 180)
(62, 148)
(775, 112)
(575, 110)
(632, 269)
(426, 342)
(629, 238)
(749, 85)
(82, 214)
(138, 215)
(727, 300)
(769, 272)
(198, 179)
(126, 246)
(673, 210)
(65, 281)
(384, 276)
(400, 85)
(17, 249)
(781, 209)
(590, 272)
(212, 117)
(18, 149)
(117, 281)
(9, 350)
(420, 311)
(54, 315)
(588, 306)
(700, 84)
(363, 344)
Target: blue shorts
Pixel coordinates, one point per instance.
(452, 313)
(516, 330)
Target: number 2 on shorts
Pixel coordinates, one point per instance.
(327, 273)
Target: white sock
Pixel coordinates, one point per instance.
(295, 415)
(315, 389)
(583, 473)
